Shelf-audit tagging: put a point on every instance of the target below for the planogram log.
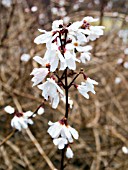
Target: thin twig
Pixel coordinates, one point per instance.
(40, 150)
(8, 137)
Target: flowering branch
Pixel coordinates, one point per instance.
(66, 45)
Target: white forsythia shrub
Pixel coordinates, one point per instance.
(66, 45)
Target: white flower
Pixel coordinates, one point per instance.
(85, 56)
(69, 153)
(56, 24)
(70, 102)
(21, 120)
(76, 7)
(51, 89)
(53, 56)
(49, 36)
(60, 142)
(62, 12)
(126, 65)
(95, 32)
(86, 87)
(25, 57)
(34, 8)
(75, 26)
(83, 28)
(117, 80)
(70, 61)
(125, 150)
(66, 19)
(60, 129)
(90, 19)
(54, 11)
(40, 111)
(43, 38)
(7, 3)
(76, 31)
(39, 75)
(42, 61)
(9, 109)
(62, 2)
(126, 51)
(120, 61)
(75, 44)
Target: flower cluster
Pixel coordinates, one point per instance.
(63, 134)
(21, 119)
(66, 46)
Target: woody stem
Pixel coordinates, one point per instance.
(66, 116)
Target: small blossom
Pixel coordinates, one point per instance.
(62, 2)
(60, 142)
(83, 29)
(21, 120)
(97, 2)
(49, 36)
(40, 111)
(62, 12)
(95, 32)
(54, 10)
(86, 87)
(56, 24)
(39, 75)
(61, 129)
(69, 153)
(70, 61)
(25, 57)
(76, 44)
(42, 61)
(7, 3)
(43, 38)
(120, 61)
(66, 19)
(34, 8)
(86, 56)
(125, 150)
(90, 19)
(117, 80)
(53, 56)
(9, 109)
(51, 89)
(126, 65)
(76, 7)
(126, 51)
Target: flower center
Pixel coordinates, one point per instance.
(18, 114)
